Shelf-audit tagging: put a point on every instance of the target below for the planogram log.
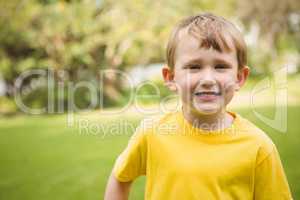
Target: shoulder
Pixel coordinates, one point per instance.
(264, 144)
(157, 124)
(152, 124)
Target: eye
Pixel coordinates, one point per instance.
(222, 66)
(193, 67)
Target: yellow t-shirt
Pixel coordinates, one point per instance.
(186, 163)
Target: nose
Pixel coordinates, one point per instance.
(207, 78)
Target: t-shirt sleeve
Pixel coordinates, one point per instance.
(131, 163)
(270, 179)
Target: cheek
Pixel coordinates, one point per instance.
(228, 87)
(228, 83)
(228, 97)
(184, 87)
(184, 82)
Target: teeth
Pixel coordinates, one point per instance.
(209, 93)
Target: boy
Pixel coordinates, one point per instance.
(202, 151)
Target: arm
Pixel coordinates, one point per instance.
(116, 190)
(270, 180)
(130, 164)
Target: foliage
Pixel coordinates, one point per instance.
(279, 28)
(93, 35)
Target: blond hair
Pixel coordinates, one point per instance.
(212, 31)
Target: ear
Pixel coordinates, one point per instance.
(242, 76)
(168, 75)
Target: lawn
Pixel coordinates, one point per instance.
(44, 158)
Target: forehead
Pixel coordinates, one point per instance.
(189, 48)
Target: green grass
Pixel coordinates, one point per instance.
(43, 158)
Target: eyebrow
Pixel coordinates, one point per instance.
(200, 61)
(194, 61)
(222, 61)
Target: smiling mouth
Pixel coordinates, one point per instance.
(208, 93)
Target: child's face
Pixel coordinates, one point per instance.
(204, 78)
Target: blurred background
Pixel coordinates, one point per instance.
(75, 75)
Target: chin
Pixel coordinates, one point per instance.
(207, 110)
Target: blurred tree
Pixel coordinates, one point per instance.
(87, 35)
(81, 37)
(49, 35)
(279, 23)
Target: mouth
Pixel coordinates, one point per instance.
(207, 95)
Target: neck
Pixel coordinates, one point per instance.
(215, 121)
